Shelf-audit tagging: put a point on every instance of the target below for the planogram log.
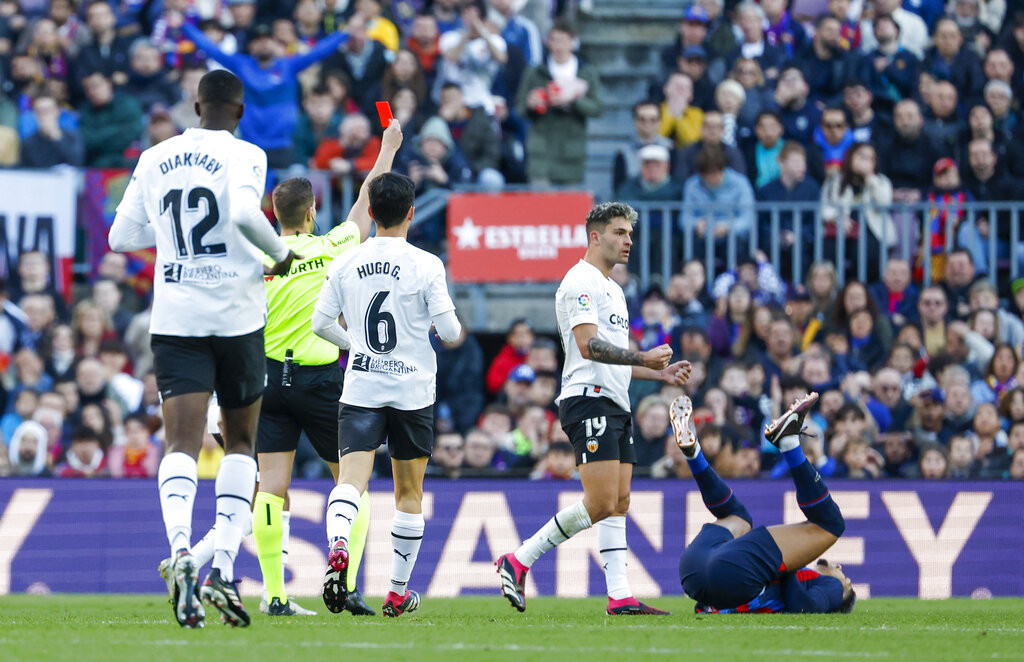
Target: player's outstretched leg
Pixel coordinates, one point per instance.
(355, 604)
(717, 496)
(802, 543)
(512, 567)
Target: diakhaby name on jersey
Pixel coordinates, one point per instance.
(191, 159)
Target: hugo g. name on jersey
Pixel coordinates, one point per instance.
(388, 291)
(208, 277)
(587, 296)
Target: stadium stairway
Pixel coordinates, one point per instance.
(623, 39)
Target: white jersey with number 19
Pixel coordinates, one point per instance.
(587, 296)
(208, 278)
(389, 291)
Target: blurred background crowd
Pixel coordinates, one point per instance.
(844, 102)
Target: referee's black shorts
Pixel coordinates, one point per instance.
(309, 404)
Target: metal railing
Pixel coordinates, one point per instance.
(667, 237)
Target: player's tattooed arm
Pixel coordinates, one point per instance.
(603, 351)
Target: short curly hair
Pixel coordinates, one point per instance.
(601, 215)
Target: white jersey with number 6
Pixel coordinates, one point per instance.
(208, 278)
(587, 296)
(388, 291)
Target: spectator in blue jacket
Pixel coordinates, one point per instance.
(271, 87)
(729, 195)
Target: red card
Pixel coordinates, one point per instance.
(384, 112)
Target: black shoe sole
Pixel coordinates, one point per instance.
(335, 590)
(235, 618)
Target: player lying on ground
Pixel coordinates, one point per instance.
(730, 567)
(390, 293)
(593, 408)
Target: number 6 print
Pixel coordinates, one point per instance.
(380, 328)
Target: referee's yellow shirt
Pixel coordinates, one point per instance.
(291, 298)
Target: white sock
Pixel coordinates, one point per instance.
(406, 536)
(567, 523)
(611, 540)
(178, 478)
(286, 519)
(202, 551)
(236, 479)
(788, 443)
(342, 508)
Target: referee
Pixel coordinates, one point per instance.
(304, 377)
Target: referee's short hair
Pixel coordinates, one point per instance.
(391, 197)
(601, 215)
(221, 87)
(292, 198)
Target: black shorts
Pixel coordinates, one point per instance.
(725, 572)
(235, 367)
(310, 404)
(410, 434)
(598, 429)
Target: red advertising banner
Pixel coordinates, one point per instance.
(515, 237)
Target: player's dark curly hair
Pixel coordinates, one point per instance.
(221, 87)
(601, 215)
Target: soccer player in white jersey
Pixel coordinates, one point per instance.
(390, 293)
(593, 408)
(196, 197)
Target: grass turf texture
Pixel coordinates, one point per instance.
(142, 629)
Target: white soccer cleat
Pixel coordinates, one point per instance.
(295, 608)
(166, 569)
(680, 414)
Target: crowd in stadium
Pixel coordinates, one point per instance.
(868, 102)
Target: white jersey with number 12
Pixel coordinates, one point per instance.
(208, 279)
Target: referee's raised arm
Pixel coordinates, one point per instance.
(390, 144)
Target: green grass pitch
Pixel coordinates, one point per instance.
(141, 629)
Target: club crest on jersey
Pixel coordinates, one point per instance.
(592, 445)
(583, 302)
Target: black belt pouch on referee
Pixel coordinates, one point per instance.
(310, 403)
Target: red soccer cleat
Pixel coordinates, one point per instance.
(632, 607)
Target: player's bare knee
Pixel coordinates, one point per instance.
(600, 508)
(622, 507)
(409, 502)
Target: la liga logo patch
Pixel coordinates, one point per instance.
(583, 301)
